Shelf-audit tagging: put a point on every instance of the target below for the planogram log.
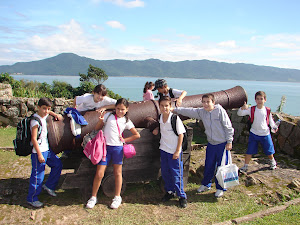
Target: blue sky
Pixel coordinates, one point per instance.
(261, 32)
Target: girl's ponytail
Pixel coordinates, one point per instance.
(147, 86)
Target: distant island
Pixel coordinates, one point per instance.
(72, 64)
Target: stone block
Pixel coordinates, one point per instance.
(16, 120)
(4, 120)
(58, 109)
(5, 101)
(23, 109)
(15, 102)
(281, 141)
(235, 118)
(31, 103)
(288, 149)
(2, 108)
(285, 128)
(5, 90)
(12, 112)
(59, 101)
(294, 137)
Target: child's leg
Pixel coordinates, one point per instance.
(98, 178)
(210, 165)
(165, 170)
(252, 149)
(176, 169)
(219, 150)
(271, 157)
(56, 166)
(118, 179)
(247, 158)
(36, 178)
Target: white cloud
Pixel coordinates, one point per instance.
(116, 24)
(123, 3)
(227, 44)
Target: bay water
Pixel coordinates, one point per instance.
(132, 88)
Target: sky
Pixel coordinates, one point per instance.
(260, 32)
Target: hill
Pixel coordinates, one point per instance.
(72, 64)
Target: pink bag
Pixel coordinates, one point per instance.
(95, 149)
(128, 149)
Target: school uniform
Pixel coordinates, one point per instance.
(171, 169)
(38, 169)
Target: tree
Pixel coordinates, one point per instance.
(94, 75)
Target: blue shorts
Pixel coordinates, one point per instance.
(115, 153)
(265, 141)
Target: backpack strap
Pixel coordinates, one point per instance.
(268, 115)
(173, 123)
(171, 93)
(40, 125)
(252, 113)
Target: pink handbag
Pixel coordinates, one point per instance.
(128, 149)
(95, 149)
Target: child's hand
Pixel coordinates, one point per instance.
(228, 146)
(101, 110)
(58, 117)
(176, 155)
(155, 131)
(122, 139)
(245, 106)
(41, 158)
(178, 102)
(101, 117)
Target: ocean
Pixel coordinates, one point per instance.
(132, 88)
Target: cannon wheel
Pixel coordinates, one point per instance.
(108, 185)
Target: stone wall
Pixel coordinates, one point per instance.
(286, 140)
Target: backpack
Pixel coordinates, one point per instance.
(173, 124)
(170, 93)
(23, 137)
(251, 118)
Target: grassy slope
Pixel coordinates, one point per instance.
(6, 136)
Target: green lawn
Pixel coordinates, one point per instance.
(7, 135)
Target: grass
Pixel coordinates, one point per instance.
(7, 135)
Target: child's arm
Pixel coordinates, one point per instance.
(178, 148)
(56, 116)
(135, 135)
(74, 103)
(102, 109)
(244, 110)
(100, 123)
(181, 97)
(155, 131)
(229, 131)
(189, 112)
(34, 131)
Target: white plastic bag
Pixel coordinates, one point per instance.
(227, 175)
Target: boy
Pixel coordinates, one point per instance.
(259, 132)
(219, 132)
(95, 101)
(42, 155)
(170, 153)
(163, 90)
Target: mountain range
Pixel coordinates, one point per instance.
(72, 64)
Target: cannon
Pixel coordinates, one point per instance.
(145, 166)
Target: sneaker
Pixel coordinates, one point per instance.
(219, 193)
(49, 191)
(36, 204)
(91, 202)
(183, 202)
(203, 188)
(116, 202)
(244, 169)
(168, 196)
(273, 164)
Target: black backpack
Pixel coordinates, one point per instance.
(185, 140)
(170, 93)
(23, 137)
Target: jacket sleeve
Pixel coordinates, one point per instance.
(189, 112)
(244, 112)
(229, 131)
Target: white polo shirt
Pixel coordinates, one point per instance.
(43, 140)
(86, 102)
(169, 140)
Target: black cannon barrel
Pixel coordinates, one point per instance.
(140, 113)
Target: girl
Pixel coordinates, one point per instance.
(95, 101)
(114, 147)
(148, 95)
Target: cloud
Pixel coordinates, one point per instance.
(123, 3)
(227, 44)
(116, 24)
(280, 41)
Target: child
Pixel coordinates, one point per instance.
(170, 153)
(219, 132)
(42, 155)
(148, 95)
(114, 142)
(163, 90)
(95, 101)
(259, 132)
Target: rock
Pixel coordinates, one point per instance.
(295, 183)
(250, 181)
(15, 102)
(288, 148)
(285, 128)
(31, 104)
(5, 90)
(58, 101)
(12, 112)
(294, 138)
(23, 109)
(32, 215)
(4, 120)
(5, 101)
(281, 141)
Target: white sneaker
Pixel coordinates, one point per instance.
(91, 202)
(116, 202)
(244, 169)
(219, 193)
(273, 164)
(49, 191)
(203, 188)
(36, 204)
